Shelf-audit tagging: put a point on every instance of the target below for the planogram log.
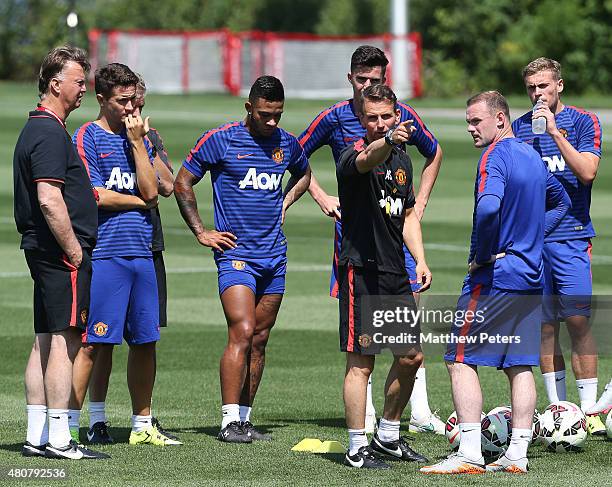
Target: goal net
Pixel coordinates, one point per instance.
(309, 66)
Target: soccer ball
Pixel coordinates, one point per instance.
(609, 425)
(495, 434)
(563, 427)
(505, 410)
(536, 428)
(452, 430)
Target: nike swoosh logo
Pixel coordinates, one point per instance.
(54, 417)
(559, 380)
(358, 464)
(104, 155)
(242, 156)
(467, 431)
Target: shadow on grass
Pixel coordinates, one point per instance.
(14, 447)
(213, 431)
(323, 422)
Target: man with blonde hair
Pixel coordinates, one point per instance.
(571, 148)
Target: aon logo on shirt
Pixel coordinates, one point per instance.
(260, 181)
(121, 180)
(555, 163)
(392, 206)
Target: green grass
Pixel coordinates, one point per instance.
(300, 395)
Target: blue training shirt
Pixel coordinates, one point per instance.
(247, 174)
(338, 126)
(512, 171)
(583, 130)
(112, 166)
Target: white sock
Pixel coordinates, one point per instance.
(357, 439)
(140, 423)
(59, 431)
(587, 392)
(231, 413)
(469, 446)
(554, 382)
(519, 442)
(97, 413)
(74, 418)
(245, 413)
(38, 430)
(388, 430)
(370, 410)
(419, 405)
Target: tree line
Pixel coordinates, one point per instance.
(468, 45)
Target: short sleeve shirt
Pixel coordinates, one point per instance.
(44, 152)
(373, 210)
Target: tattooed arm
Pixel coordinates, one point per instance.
(186, 200)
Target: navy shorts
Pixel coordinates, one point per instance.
(124, 301)
(567, 280)
(361, 291)
(61, 291)
(334, 287)
(262, 276)
(496, 328)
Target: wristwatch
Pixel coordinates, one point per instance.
(388, 139)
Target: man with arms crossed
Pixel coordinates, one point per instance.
(55, 212)
(247, 161)
(98, 386)
(375, 188)
(124, 301)
(339, 126)
(571, 147)
(511, 195)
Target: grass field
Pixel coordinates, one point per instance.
(301, 394)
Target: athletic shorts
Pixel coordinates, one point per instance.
(567, 279)
(496, 328)
(361, 292)
(262, 276)
(61, 291)
(162, 290)
(124, 301)
(334, 286)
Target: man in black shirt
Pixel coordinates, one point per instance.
(377, 200)
(56, 214)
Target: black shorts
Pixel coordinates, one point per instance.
(362, 291)
(61, 291)
(162, 290)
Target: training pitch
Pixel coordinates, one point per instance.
(301, 392)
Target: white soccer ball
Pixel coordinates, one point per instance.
(563, 427)
(609, 425)
(536, 428)
(505, 410)
(495, 434)
(452, 430)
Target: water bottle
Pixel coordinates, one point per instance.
(538, 125)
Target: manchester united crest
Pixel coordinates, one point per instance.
(100, 329)
(563, 132)
(365, 340)
(400, 177)
(239, 265)
(278, 155)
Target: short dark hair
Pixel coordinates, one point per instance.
(368, 56)
(54, 63)
(112, 75)
(267, 87)
(494, 100)
(379, 92)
